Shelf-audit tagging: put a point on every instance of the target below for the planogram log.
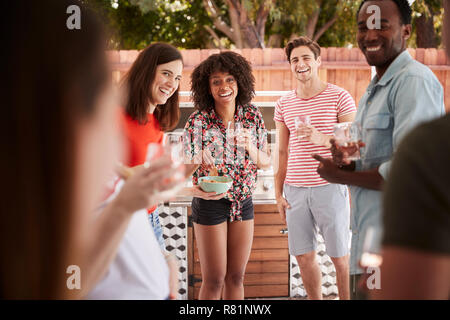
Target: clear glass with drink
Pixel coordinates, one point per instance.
(301, 121)
(238, 130)
(348, 139)
(371, 256)
(172, 146)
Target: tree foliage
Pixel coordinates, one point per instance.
(134, 24)
(427, 23)
(249, 23)
(243, 22)
(330, 22)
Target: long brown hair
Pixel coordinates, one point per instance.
(140, 77)
(54, 76)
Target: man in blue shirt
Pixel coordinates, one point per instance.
(403, 94)
(416, 224)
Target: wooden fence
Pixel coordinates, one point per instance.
(344, 67)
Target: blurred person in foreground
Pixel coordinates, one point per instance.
(402, 94)
(416, 242)
(60, 141)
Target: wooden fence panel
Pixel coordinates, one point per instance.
(344, 67)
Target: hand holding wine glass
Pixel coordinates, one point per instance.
(143, 184)
(347, 142)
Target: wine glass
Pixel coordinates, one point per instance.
(238, 134)
(301, 121)
(238, 127)
(348, 139)
(154, 151)
(173, 145)
(371, 256)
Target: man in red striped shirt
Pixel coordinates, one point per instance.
(310, 202)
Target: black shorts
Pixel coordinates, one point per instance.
(212, 212)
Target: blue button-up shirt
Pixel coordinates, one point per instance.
(407, 94)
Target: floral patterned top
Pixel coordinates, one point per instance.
(205, 130)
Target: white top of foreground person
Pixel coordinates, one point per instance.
(139, 270)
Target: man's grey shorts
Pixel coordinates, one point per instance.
(326, 207)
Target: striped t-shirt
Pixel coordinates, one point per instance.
(324, 110)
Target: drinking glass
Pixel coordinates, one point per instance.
(301, 121)
(228, 126)
(173, 147)
(348, 139)
(238, 128)
(371, 256)
(154, 151)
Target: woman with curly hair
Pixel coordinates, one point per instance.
(222, 88)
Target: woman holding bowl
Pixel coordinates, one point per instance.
(222, 88)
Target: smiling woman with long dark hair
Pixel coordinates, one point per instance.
(144, 100)
(151, 108)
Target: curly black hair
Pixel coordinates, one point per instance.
(403, 7)
(227, 61)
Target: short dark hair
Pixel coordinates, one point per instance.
(139, 79)
(403, 7)
(302, 41)
(227, 61)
